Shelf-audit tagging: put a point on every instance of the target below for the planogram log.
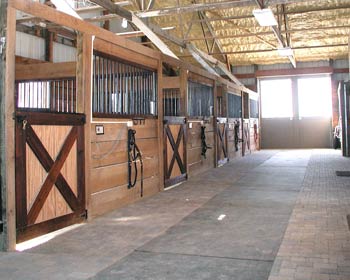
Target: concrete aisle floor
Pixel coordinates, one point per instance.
(228, 223)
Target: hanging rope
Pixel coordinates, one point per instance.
(236, 132)
(134, 155)
(204, 143)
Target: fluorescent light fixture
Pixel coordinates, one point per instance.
(265, 17)
(124, 23)
(287, 51)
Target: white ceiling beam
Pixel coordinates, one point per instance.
(208, 6)
(152, 36)
(65, 7)
(99, 8)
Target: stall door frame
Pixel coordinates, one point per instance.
(26, 138)
(222, 141)
(176, 157)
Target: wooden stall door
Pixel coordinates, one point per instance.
(246, 138)
(50, 177)
(175, 158)
(222, 143)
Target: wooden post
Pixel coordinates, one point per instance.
(7, 135)
(84, 96)
(215, 124)
(160, 126)
(184, 106)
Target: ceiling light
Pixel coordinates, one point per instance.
(124, 23)
(265, 17)
(287, 51)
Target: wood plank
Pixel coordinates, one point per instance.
(45, 71)
(36, 118)
(86, 73)
(7, 125)
(125, 54)
(114, 152)
(49, 226)
(294, 71)
(200, 79)
(117, 175)
(51, 177)
(21, 190)
(171, 82)
(26, 60)
(118, 131)
(120, 196)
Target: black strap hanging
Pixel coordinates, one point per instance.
(236, 131)
(134, 155)
(204, 143)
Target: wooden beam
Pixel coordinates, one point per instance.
(45, 71)
(152, 36)
(110, 6)
(294, 72)
(7, 135)
(207, 7)
(220, 65)
(194, 52)
(63, 6)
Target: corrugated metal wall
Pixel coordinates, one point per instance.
(30, 46)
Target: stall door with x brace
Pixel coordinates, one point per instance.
(50, 187)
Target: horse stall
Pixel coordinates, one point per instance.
(125, 140)
(246, 148)
(174, 125)
(221, 127)
(234, 115)
(49, 148)
(200, 123)
(254, 122)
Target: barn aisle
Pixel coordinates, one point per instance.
(228, 223)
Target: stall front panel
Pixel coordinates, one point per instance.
(125, 159)
(201, 128)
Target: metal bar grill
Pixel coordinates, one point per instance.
(234, 106)
(122, 89)
(47, 95)
(200, 100)
(171, 102)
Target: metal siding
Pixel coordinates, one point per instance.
(30, 46)
(62, 53)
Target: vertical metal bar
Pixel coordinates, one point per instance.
(136, 92)
(127, 93)
(113, 95)
(133, 89)
(110, 63)
(122, 74)
(93, 83)
(118, 87)
(67, 101)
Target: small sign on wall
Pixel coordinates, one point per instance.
(99, 129)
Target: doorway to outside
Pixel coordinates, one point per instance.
(296, 112)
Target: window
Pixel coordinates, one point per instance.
(234, 106)
(171, 102)
(276, 98)
(121, 89)
(314, 97)
(48, 95)
(200, 100)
